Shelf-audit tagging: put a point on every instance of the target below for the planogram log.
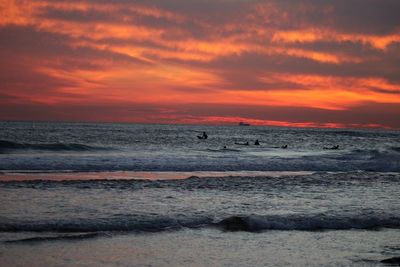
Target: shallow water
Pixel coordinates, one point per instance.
(208, 247)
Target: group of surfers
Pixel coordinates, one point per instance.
(257, 143)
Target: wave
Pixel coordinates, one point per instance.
(112, 224)
(350, 133)
(384, 159)
(360, 133)
(250, 223)
(305, 223)
(69, 237)
(223, 150)
(6, 146)
(392, 261)
(224, 182)
(396, 149)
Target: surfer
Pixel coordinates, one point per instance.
(332, 147)
(284, 146)
(204, 136)
(257, 143)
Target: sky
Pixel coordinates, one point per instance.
(305, 63)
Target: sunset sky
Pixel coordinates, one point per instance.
(280, 62)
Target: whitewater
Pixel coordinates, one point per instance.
(85, 194)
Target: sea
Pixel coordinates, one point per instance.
(107, 194)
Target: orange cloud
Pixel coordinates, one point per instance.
(182, 56)
(312, 35)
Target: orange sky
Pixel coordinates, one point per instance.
(280, 62)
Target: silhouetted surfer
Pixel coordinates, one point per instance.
(204, 136)
(284, 147)
(256, 143)
(332, 147)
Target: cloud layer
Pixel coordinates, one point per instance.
(280, 62)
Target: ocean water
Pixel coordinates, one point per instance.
(80, 194)
(130, 147)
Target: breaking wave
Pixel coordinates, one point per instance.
(119, 223)
(68, 237)
(6, 146)
(250, 223)
(375, 159)
(305, 223)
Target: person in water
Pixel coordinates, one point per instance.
(204, 136)
(257, 143)
(332, 147)
(284, 147)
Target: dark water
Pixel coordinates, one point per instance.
(321, 201)
(130, 147)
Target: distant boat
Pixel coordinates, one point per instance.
(244, 124)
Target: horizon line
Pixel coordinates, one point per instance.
(327, 125)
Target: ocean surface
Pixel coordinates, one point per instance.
(85, 194)
(130, 147)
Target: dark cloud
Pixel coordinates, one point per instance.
(130, 15)
(57, 47)
(25, 52)
(350, 16)
(84, 16)
(253, 80)
(361, 16)
(253, 63)
(353, 16)
(18, 78)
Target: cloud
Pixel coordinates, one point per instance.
(330, 55)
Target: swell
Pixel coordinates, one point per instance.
(396, 149)
(6, 146)
(385, 159)
(112, 224)
(227, 183)
(306, 223)
(382, 160)
(249, 223)
(68, 237)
